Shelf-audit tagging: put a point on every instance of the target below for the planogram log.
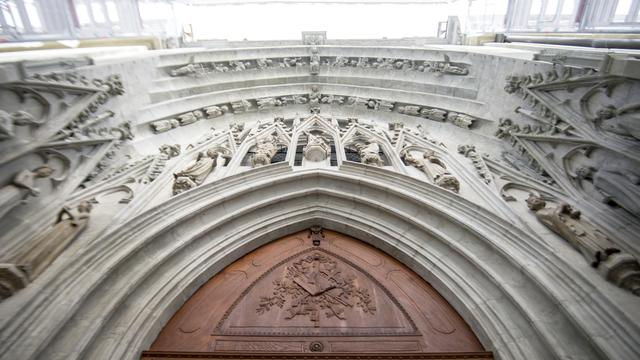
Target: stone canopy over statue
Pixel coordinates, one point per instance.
(601, 253)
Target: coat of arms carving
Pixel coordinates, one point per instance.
(315, 284)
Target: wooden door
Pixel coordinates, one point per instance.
(316, 293)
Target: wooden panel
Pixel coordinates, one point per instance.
(338, 295)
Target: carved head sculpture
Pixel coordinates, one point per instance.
(43, 171)
(85, 207)
(584, 172)
(607, 112)
(535, 203)
(212, 153)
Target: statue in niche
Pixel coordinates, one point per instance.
(446, 67)
(190, 117)
(370, 153)
(164, 125)
(268, 103)
(314, 100)
(9, 120)
(620, 121)
(189, 69)
(433, 114)
(440, 175)
(214, 111)
(316, 149)
(412, 110)
(266, 148)
(47, 246)
(264, 63)
(594, 246)
(616, 184)
(22, 186)
(314, 63)
(196, 172)
(460, 120)
(409, 160)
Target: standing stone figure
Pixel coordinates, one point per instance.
(619, 185)
(597, 249)
(17, 272)
(22, 185)
(370, 153)
(195, 172)
(266, 148)
(314, 62)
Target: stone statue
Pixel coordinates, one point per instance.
(159, 161)
(184, 70)
(264, 63)
(438, 170)
(190, 117)
(433, 114)
(213, 111)
(460, 120)
(164, 125)
(47, 246)
(619, 185)
(195, 172)
(409, 110)
(370, 153)
(596, 247)
(619, 121)
(446, 67)
(316, 148)
(266, 148)
(314, 63)
(409, 160)
(268, 103)
(22, 185)
(314, 100)
(565, 221)
(9, 120)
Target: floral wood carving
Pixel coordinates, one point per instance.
(313, 284)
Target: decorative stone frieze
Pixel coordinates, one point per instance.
(315, 61)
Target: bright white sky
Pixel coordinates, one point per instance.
(277, 20)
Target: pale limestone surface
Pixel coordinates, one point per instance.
(524, 291)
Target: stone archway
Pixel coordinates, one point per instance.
(319, 292)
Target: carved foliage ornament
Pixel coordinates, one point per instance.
(315, 284)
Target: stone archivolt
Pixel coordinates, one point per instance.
(74, 177)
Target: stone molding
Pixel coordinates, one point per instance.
(117, 287)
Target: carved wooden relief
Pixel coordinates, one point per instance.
(316, 292)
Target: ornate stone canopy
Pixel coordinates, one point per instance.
(141, 179)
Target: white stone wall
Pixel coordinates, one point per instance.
(525, 290)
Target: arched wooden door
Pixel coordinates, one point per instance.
(313, 294)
